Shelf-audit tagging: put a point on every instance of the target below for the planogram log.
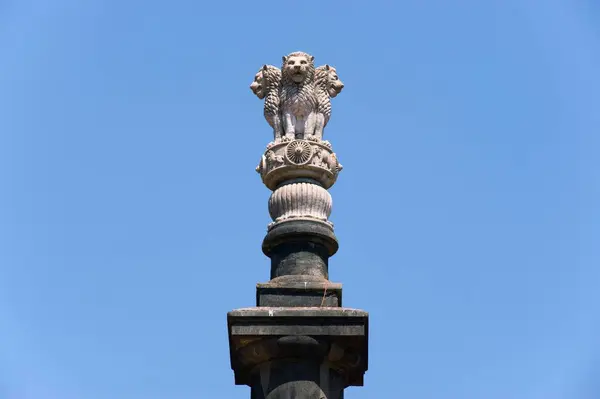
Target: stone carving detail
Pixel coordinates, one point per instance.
(299, 159)
(298, 342)
(298, 152)
(300, 200)
(297, 96)
(328, 86)
(327, 160)
(298, 165)
(275, 160)
(266, 85)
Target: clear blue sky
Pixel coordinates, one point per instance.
(131, 216)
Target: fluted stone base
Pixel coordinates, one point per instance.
(300, 198)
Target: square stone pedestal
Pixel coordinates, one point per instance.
(298, 349)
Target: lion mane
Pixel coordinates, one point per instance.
(266, 85)
(297, 96)
(328, 86)
(298, 100)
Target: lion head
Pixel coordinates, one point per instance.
(258, 85)
(298, 67)
(265, 80)
(327, 78)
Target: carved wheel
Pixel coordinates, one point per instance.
(298, 152)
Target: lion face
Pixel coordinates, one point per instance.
(297, 66)
(258, 85)
(335, 85)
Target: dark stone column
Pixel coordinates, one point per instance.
(299, 343)
(301, 371)
(300, 248)
(296, 379)
(299, 252)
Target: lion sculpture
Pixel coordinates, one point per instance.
(328, 86)
(266, 85)
(297, 96)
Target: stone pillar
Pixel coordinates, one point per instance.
(298, 342)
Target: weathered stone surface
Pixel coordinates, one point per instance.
(336, 337)
(300, 230)
(298, 292)
(300, 247)
(286, 379)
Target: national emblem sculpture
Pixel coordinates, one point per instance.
(297, 96)
(297, 105)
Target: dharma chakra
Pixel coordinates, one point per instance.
(298, 152)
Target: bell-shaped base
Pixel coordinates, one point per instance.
(300, 198)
